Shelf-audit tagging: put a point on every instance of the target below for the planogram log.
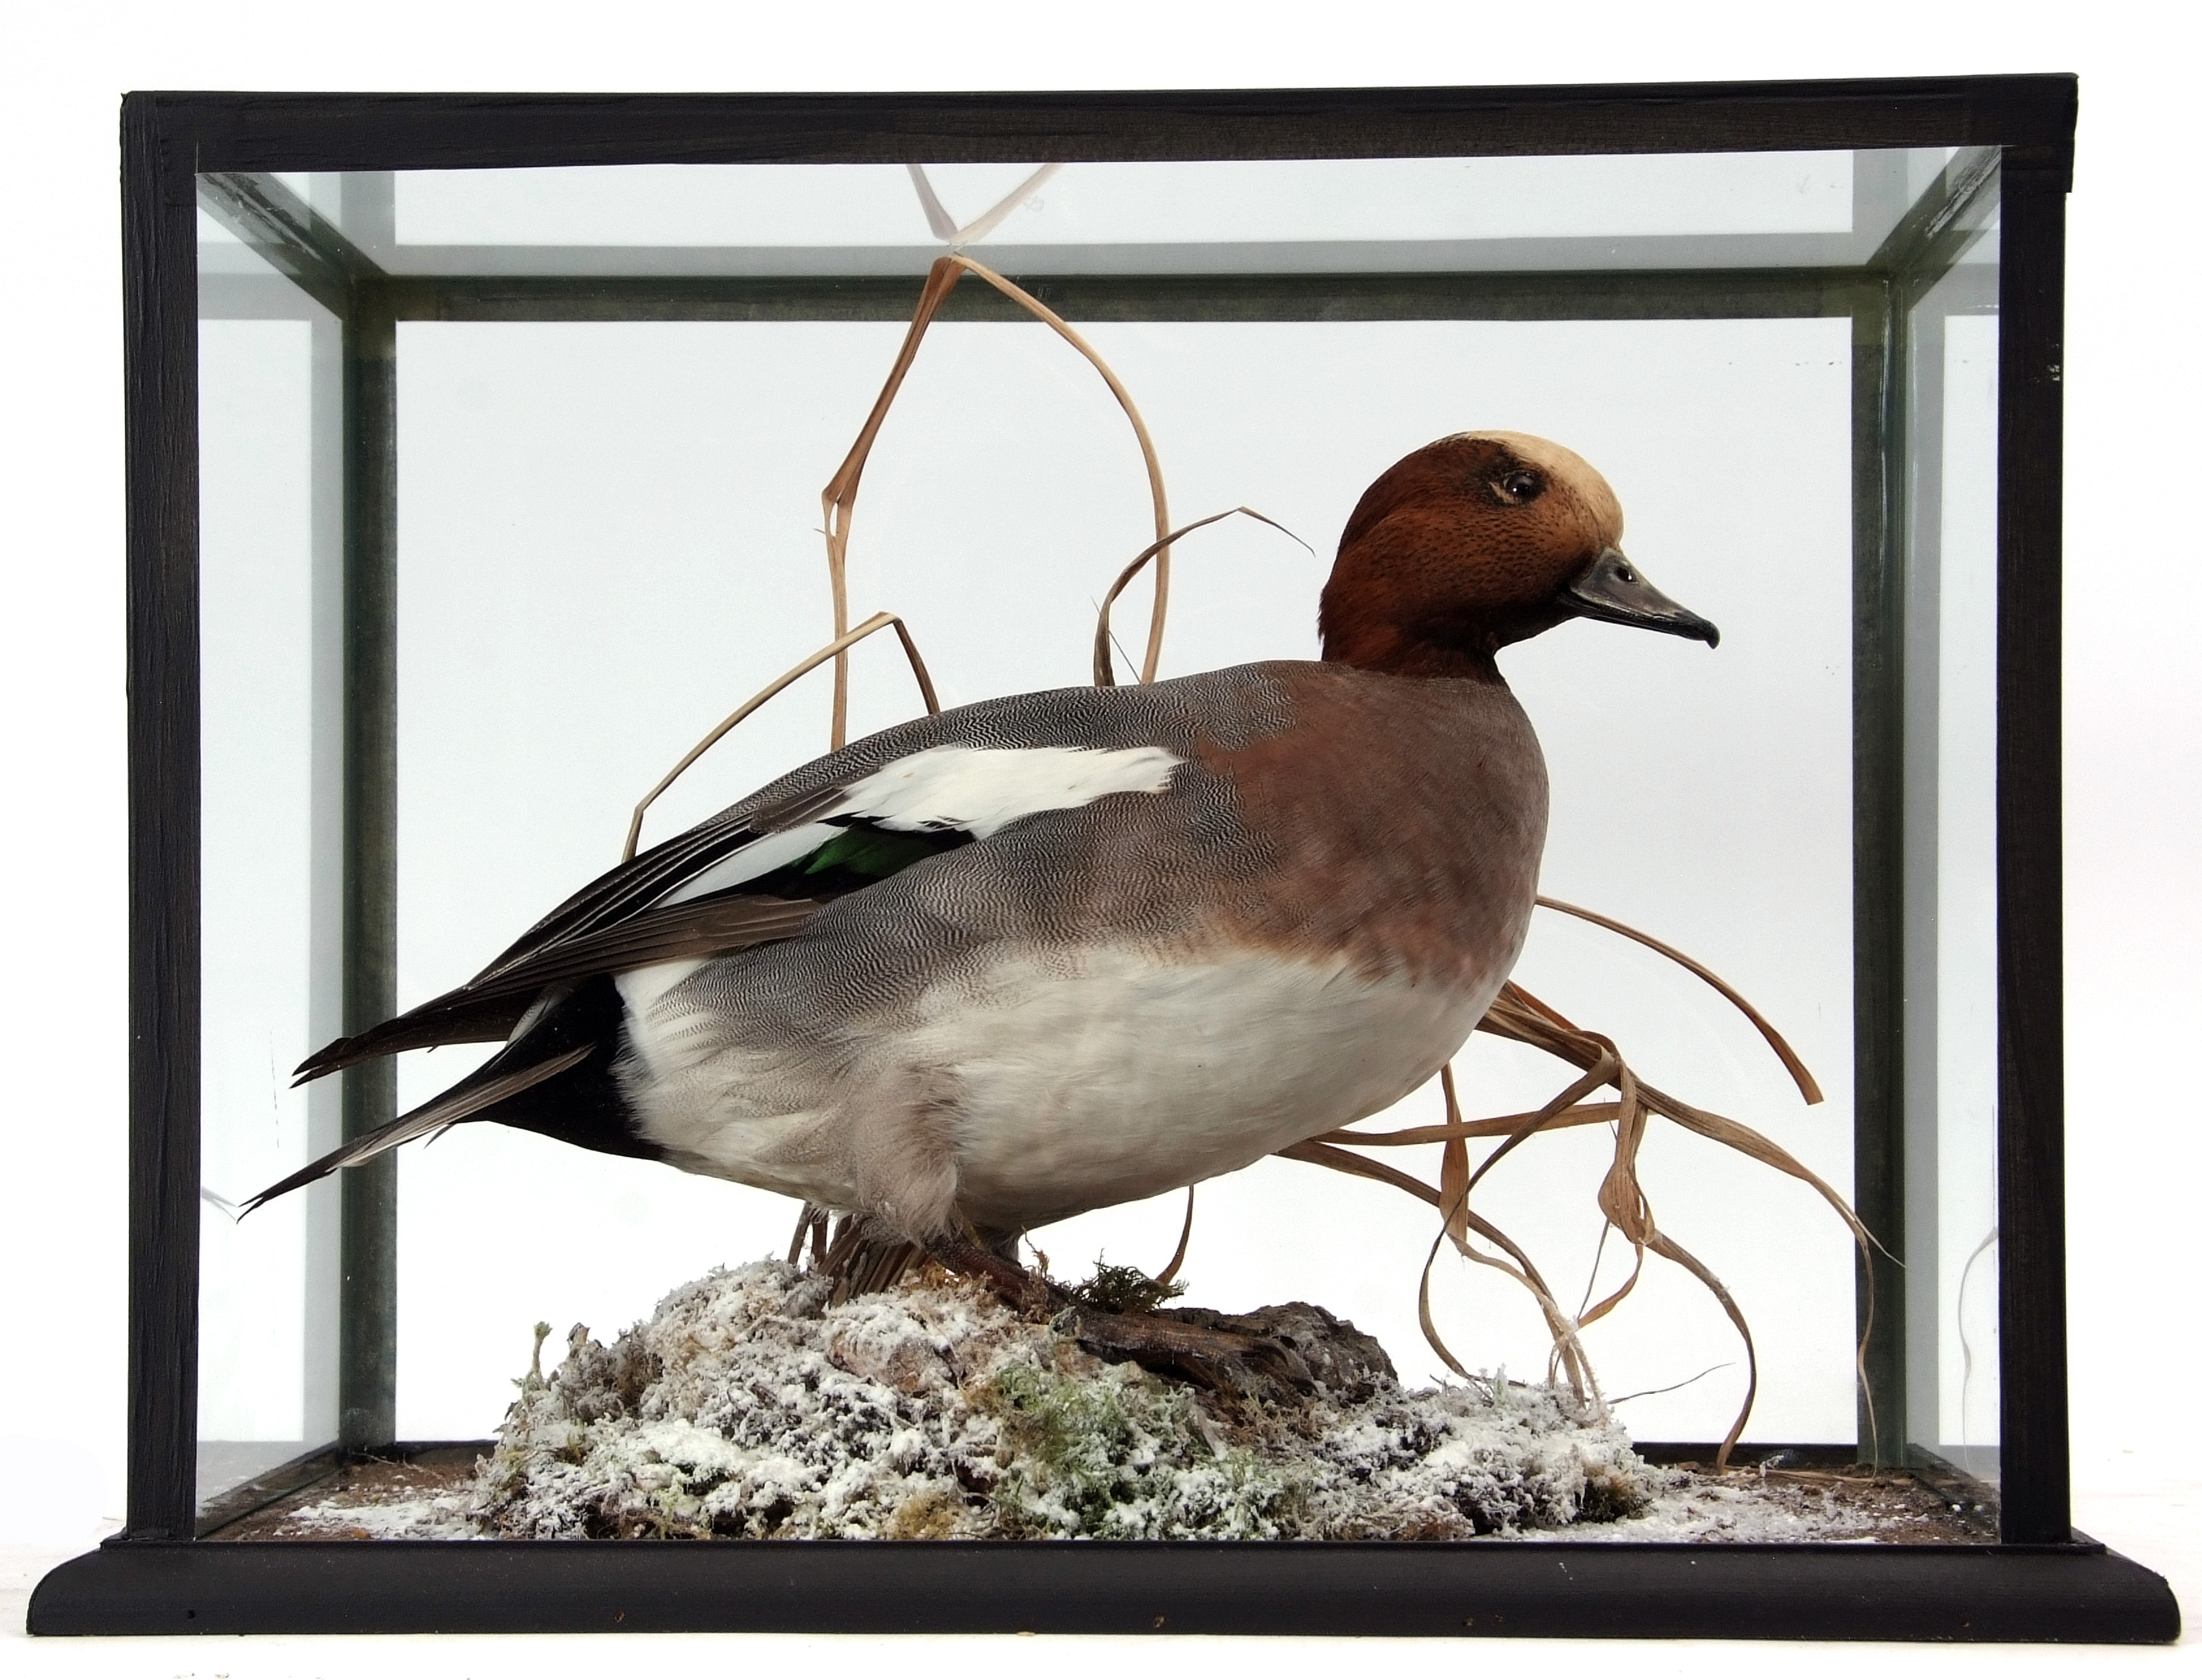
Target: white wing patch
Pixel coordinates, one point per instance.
(978, 789)
(760, 857)
(982, 790)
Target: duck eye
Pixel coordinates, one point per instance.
(1519, 487)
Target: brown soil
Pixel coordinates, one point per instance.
(370, 1482)
(1899, 1509)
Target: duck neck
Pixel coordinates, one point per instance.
(1397, 652)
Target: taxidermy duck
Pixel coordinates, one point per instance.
(1048, 953)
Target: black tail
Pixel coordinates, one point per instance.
(556, 1080)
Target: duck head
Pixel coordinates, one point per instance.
(1476, 541)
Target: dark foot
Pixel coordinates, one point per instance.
(1027, 1291)
(861, 1262)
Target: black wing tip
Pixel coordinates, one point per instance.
(327, 1059)
(297, 1181)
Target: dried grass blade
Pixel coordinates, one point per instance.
(1740, 1138)
(1499, 1125)
(1627, 1288)
(1569, 1350)
(1621, 1198)
(1104, 669)
(1608, 1068)
(836, 649)
(1511, 1016)
(1070, 335)
(839, 498)
(1168, 1273)
(1453, 1180)
(1667, 1248)
(943, 225)
(937, 219)
(1806, 1084)
(1514, 1000)
(1358, 1166)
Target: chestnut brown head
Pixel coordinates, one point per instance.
(1476, 541)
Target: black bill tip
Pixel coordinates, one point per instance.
(1611, 588)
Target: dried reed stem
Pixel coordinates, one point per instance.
(1168, 1273)
(1515, 1013)
(943, 225)
(1105, 668)
(839, 499)
(1518, 1015)
(836, 649)
(1805, 1083)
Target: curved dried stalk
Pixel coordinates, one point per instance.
(1667, 1248)
(1518, 1015)
(943, 225)
(1168, 1273)
(1803, 1075)
(836, 649)
(1499, 1125)
(1104, 667)
(1515, 1013)
(1359, 1166)
(839, 499)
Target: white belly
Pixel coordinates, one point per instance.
(1071, 1084)
(1133, 1077)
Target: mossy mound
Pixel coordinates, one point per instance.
(747, 1406)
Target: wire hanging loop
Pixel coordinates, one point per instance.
(837, 648)
(839, 499)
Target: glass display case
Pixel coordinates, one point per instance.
(474, 450)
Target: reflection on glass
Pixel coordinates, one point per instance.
(269, 530)
(1729, 210)
(607, 541)
(1951, 1021)
(606, 537)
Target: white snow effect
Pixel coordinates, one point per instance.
(745, 1406)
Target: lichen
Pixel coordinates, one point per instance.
(1120, 1455)
(747, 1406)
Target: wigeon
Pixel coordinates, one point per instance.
(1047, 953)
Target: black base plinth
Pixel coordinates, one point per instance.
(2080, 1592)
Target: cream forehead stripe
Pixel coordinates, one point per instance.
(1563, 463)
(980, 789)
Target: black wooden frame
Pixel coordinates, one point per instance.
(2041, 1582)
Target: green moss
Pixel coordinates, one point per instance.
(1121, 1456)
(1123, 1289)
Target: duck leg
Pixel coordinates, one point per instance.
(980, 1255)
(811, 1224)
(861, 1260)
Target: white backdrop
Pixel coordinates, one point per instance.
(2133, 914)
(606, 539)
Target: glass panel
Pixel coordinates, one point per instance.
(1950, 1053)
(606, 537)
(607, 541)
(270, 426)
(1730, 209)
